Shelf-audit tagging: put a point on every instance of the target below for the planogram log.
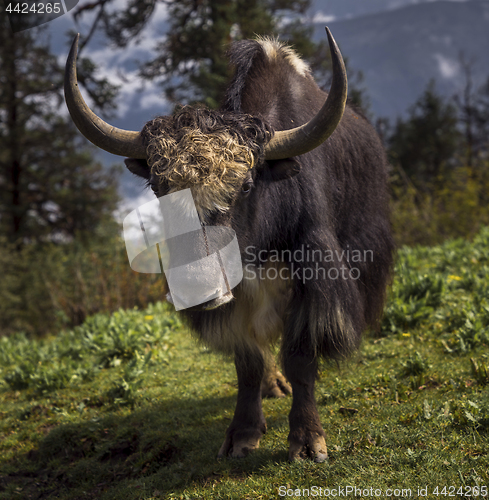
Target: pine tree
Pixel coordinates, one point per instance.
(425, 145)
(50, 186)
(473, 106)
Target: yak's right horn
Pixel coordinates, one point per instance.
(114, 140)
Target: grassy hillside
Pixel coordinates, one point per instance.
(131, 407)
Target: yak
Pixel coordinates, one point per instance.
(301, 177)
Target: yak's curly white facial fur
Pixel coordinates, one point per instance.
(213, 166)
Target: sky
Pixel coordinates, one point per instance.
(120, 66)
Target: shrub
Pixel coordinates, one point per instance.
(51, 286)
(455, 206)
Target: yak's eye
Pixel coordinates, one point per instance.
(246, 187)
(154, 187)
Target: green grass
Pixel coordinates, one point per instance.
(131, 407)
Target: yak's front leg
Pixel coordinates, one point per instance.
(248, 425)
(306, 436)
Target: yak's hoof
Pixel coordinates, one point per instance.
(275, 385)
(314, 448)
(235, 446)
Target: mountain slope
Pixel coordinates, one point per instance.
(345, 9)
(399, 51)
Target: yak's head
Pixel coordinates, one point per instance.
(211, 152)
(214, 153)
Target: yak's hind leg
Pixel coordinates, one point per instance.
(274, 384)
(248, 424)
(306, 436)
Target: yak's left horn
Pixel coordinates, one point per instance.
(114, 140)
(301, 140)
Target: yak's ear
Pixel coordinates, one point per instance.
(138, 167)
(284, 169)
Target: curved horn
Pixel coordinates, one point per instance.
(300, 140)
(114, 140)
